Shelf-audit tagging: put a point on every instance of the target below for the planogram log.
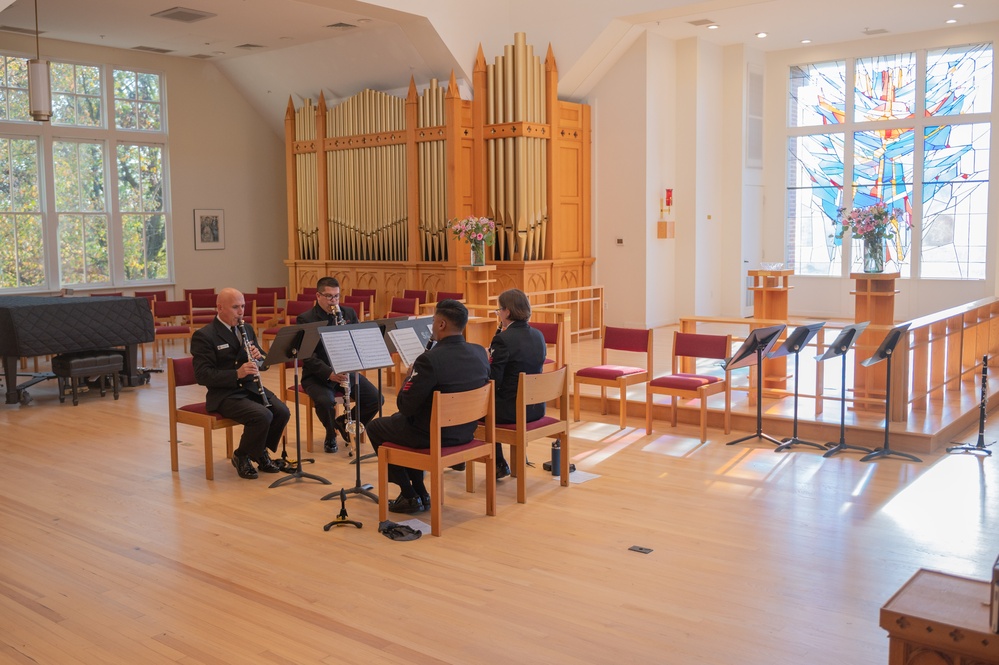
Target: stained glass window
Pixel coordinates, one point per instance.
(946, 203)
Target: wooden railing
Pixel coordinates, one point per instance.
(942, 351)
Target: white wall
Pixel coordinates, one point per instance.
(620, 205)
(830, 296)
(222, 154)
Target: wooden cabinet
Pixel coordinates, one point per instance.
(875, 302)
(770, 289)
(940, 619)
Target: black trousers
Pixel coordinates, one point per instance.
(396, 428)
(262, 426)
(324, 394)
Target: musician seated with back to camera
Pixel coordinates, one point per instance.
(516, 348)
(324, 385)
(225, 361)
(452, 365)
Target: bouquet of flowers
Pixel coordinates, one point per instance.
(474, 229)
(877, 222)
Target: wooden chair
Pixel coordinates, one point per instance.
(260, 311)
(151, 295)
(308, 295)
(291, 312)
(180, 372)
(203, 307)
(358, 304)
(421, 296)
(171, 320)
(370, 294)
(448, 409)
(280, 296)
(552, 333)
(534, 389)
(633, 340)
(403, 307)
(679, 385)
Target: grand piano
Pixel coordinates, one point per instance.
(44, 325)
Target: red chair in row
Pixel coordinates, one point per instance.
(295, 307)
(606, 375)
(403, 307)
(151, 295)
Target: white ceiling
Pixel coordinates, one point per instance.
(432, 38)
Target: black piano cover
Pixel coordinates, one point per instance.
(40, 325)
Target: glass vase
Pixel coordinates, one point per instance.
(478, 252)
(874, 255)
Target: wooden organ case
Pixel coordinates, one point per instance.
(374, 181)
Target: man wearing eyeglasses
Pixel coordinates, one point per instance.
(319, 380)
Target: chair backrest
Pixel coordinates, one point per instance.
(189, 292)
(404, 307)
(356, 303)
(151, 295)
(461, 408)
(450, 295)
(180, 372)
(202, 300)
(370, 294)
(552, 332)
(698, 345)
(166, 309)
(421, 296)
(635, 340)
(296, 307)
(308, 295)
(538, 388)
(280, 292)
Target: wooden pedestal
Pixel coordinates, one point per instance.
(770, 289)
(477, 283)
(875, 302)
(940, 619)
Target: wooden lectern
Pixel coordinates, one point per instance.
(875, 302)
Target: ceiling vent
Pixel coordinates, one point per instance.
(249, 47)
(183, 15)
(342, 26)
(701, 22)
(152, 49)
(875, 31)
(20, 31)
(202, 56)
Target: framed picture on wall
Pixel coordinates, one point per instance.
(209, 229)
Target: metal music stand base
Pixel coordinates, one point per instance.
(843, 445)
(358, 488)
(887, 452)
(980, 447)
(786, 444)
(341, 519)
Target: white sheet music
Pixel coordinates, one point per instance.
(407, 343)
(371, 348)
(340, 349)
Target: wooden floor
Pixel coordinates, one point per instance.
(108, 557)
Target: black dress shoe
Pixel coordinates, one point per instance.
(425, 500)
(243, 466)
(329, 445)
(502, 470)
(340, 423)
(408, 505)
(460, 466)
(267, 465)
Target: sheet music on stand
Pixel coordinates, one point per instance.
(355, 347)
(407, 343)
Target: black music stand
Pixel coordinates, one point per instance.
(981, 446)
(757, 344)
(353, 348)
(885, 352)
(795, 342)
(290, 342)
(840, 346)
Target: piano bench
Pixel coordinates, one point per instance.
(73, 368)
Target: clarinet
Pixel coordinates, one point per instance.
(256, 377)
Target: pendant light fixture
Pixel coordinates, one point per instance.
(39, 82)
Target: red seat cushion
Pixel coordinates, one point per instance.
(608, 371)
(200, 408)
(446, 450)
(683, 381)
(549, 361)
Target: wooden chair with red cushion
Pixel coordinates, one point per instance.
(448, 409)
(403, 307)
(203, 308)
(421, 296)
(259, 310)
(680, 385)
(552, 333)
(358, 304)
(370, 294)
(606, 375)
(172, 320)
(180, 372)
(535, 389)
(291, 312)
(280, 296)
(151, 295)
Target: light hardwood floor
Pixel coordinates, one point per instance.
(108, 557)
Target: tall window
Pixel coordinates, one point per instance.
(916, 129)
(103, 219)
